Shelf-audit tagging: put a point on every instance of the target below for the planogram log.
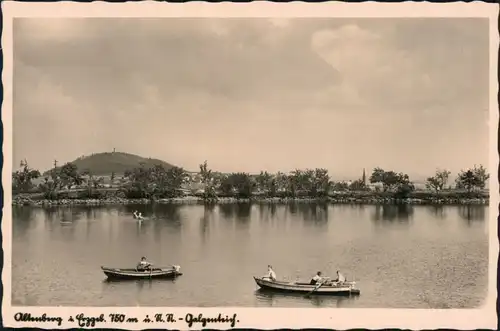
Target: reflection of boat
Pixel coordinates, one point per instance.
(277, 299)
(122, 274)
(333, 288)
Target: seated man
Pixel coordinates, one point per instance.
(316, 279)
(143, 265)
(340, 277)
(270, 273)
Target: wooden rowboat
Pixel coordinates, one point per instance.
(345, 288)
(156, 273)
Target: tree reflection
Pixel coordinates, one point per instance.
(471, 213)
(243, 211)
(163, 215)
(22, 217)
(22, 213)
(227, 210)
(292, 207)
(267, 212)
(314, 212)
(168, 212)
(400, 213)
(239, 211)
(437, 211)
(208, 213)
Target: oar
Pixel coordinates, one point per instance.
(316, 288)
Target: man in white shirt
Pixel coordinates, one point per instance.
(340, 277)
(143, 264)
(317, 278)
(270, 273)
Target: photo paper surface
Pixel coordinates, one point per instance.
(260, 165)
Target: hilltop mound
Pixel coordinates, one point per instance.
(114, 162)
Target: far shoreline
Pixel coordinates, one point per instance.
(21, 200)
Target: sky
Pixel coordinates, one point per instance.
(405, 94)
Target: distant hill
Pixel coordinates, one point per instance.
(107, 163)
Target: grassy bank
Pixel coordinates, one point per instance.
(113, 197)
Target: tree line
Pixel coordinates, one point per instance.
(156, 182)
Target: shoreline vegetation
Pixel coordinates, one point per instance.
(147, 184)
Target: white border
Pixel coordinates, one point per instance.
(266, 318)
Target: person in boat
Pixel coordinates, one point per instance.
(270, 273)
(138, 215)
(143, 265)
(340, 277)
(317, 279)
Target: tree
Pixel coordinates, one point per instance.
(472, 179)
(68, 175)
(22, 179)
(438, 181)
(307, 181)
(93, 183)
(466, 180)
(340, 186)
(208, 179)
(399, 183)
(206, 174)
(358, 185)
(155, 182)
(378, 176)
(390, 180)
(281, 182)
(239, 183)
(264, 181)
(321, 182)
(404, 186)
(139, 185)
(175, 179)
(482, 176)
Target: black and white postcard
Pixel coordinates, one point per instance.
(258, 165)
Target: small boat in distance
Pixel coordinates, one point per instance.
(133, 273)
(333, 288)
(138, 216)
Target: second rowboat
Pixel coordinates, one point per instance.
(123, 274)
(333, 288)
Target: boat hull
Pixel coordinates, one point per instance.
(128, 274)
(287, 287)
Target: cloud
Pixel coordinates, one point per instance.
(222, 86)
(388, 75)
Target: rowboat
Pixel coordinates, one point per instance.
(116, 273)
(333, 288)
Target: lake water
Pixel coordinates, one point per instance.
(400, 256)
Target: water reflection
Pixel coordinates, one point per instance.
(140, 282)
(267, 212)
(23, 216)
(115, 285)
(401, 213)
(112, 235)
(155, 211)
(208, 215)
(238, 211)
(272, 299)
(437, 211)
(313, 212)
(292, 207)
(168, 212)
(472, 213)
